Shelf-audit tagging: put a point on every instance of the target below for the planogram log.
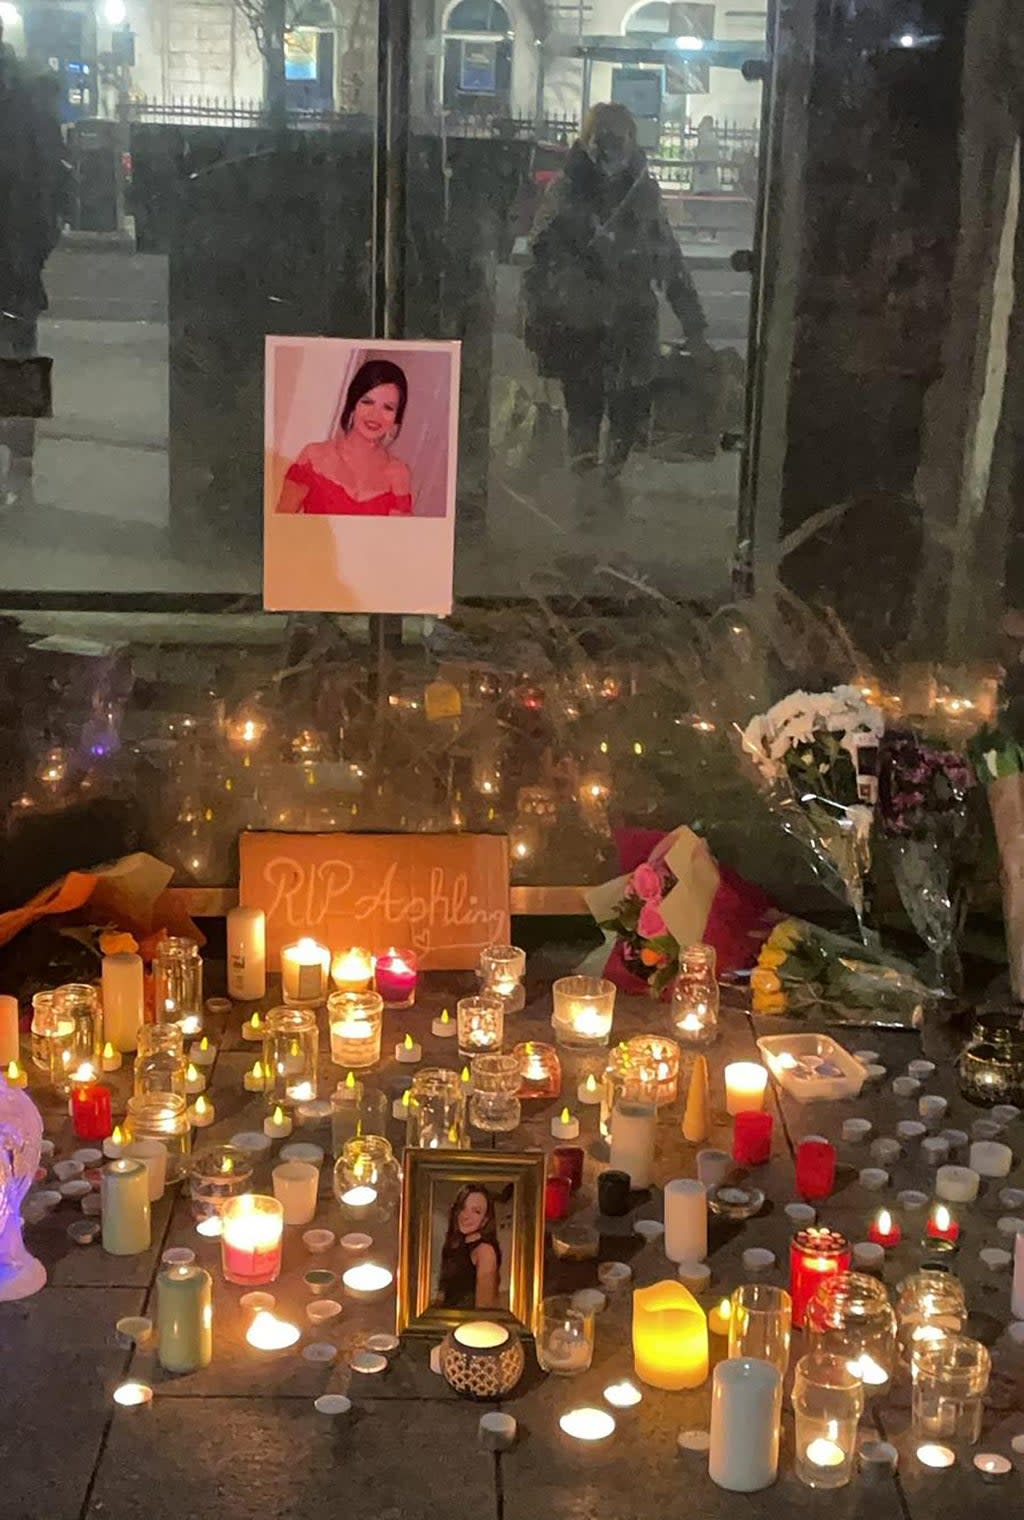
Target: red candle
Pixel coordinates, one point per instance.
(884, 1230)
(942, 1227)
(557, 1195)
(90, 1110)
(815, 1255)
(815, 1168)
(752, 1138)
(396, 977)
(567, 1161)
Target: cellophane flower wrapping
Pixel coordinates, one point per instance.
(804, 971)
(999, 761)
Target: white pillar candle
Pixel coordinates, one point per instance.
(686, 1220)
(247, 954)
(153, 1155)
(123, 1000)
(295, 1188)
(1017, 1294)
(990, 1158)
(746, 1408)
(745, 1083)
(632, 1140)
(9, 1048)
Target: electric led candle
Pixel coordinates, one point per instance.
(670, 1337)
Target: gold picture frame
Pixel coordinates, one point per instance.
(430, 1176)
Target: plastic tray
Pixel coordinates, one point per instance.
(811, 1088)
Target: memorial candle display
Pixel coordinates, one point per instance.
(827, 1404)
(670, 1337)
(815, 1168)
(90, 1106)
(745, 1083)
(304, 968)
(815, 1254)
(247, 954)
(123, 1000)
(396, 975)
(251, 1230)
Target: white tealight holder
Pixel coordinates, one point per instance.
(885, 1150)
(758, 1259)
(868, 1254)
(990, 1158)
(873, 1178)
(856, 1131)
(956, 1184)
(906, 1087)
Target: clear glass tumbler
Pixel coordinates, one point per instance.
(565, 1337)
(827, 1401)
(761, 1324)
(437, 1110)
(178, 984)
(494, 1102)
(950, 1376)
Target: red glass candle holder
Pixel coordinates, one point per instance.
(90, 1110)
(557, 1197)
(815, 1255)
(752, 1138)
(942, 1231)
(540, 1070)
(567, 1161)
(815, 1168)
(396, 974)
(884, 1231)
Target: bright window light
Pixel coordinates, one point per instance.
(689, 44)
(115, 12)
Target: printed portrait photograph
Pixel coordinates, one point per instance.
(471, 1246)
(360, 474)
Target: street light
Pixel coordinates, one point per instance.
(908, 40)
(115, 12)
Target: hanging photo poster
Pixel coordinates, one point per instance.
(361, 442)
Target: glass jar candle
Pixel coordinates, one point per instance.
(950, 1375)
(761, 1324)
(584, 1007)
(663, 1054)
(368, 1180)
(304, 969)
(991, 1064)
(78, 1037)
(827, 1402)
(396, 975)
(437, 1110)
(352, 970)
(163, 1117)
(815, 1254)
(252, 1227)
(355, 1021)
(481, 1024)
(217, 1176)
(291, 1045)
(178, 984)
(929, 1304)
(356, 1110)
(494, 1102)
(502, 968)
(540, 1070)
(625, 1076)
(44, 1027)
(850, 1317)
(160, 1061)
(565, 1337)
(695, 998)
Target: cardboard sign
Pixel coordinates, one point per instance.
(446, 896)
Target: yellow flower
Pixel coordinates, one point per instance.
(772, 957)
(769, 1002)
(764, 979)
(785, 935)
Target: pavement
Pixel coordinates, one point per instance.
(242, 1438)
(99, 516)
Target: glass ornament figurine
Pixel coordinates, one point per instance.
(21, 1134)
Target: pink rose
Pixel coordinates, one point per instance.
(646, 883)
(651, 924)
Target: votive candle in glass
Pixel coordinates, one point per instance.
(850, 1316)
(761, 1324)
(752, 1138)
(663, 1055)
(502, 968)
(217, 1175)
(929, 1304)
(396, 975)
(352, 970)
(90, 1106)
(178, 984)
(437, 1110)
(584, 1007)
(481, 1022)
(251, 1231)
(565, 1336)
(670, 1337)
(695, 998)
(745, 1083)
(540, 1071)
(950, 1377)
(355, 1020)
(304, 968)
(815, 1168)
(494, 1102)
(815, 1254)
(291, 1046)
(79, 1021)
(827, 1403)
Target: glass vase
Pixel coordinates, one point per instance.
(163, 1117)
(78, 1038)
(850, 1317)
(950, 1376)
(827, 1402)
(291, 1047)
(695, 998)
(178, 984)
(437, 1110)
(494, 1102)
(160, 1061)
(368, 1180)
(355, 1021)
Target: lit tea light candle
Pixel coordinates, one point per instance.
(268, 1333)
(133, 1395)
(301, 1092)
(15, 1074)
(942, 1229)
(202, 1053)
(589, 1092)
(278, 1125)
(111, 1058)
(202, 1113)
(304, 969)
(252, 1029)
(936, 1457)
(408, 1051)
(992, 1467)
(352, 970)
(565, 1126)
(466, 1078)
(395, 976)
(211, 1228)
(624, 1395)
(745, 1083)
(825, 1453)
(192, 1023)
(445, 1027)
(719, 1317)
(195, 1081)
(871, 1373)
(114, 1143)
(400, 1108)
(256, 1079)
(587, 1424)
(884, 1231)
(367, 1280)
(358, 1201)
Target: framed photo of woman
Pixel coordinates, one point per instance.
(472, 1239)
(361, 439)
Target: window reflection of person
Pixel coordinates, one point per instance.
(600, 246)
(354, 474)
(471, 1256)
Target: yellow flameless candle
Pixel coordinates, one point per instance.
(719, 1317)
(16, 1075)
(670, 1337)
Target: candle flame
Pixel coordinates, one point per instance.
(308, 948)
(204, 1044)
(109, 1052)
(725, 1308)
(406, 1096)
(191, 1074)
(942, 1217)
(566, 1116)
(407, 1042)
(453, 1135)
(350, 1080)
(201, 1105)
(464, 1075)
(278, 1115)
(884, 1222)
(227, 1165)
(85, 1073)
(13, 1071)
(591, 1083)
(255, 1021)
(118, 1135)
(446, 1017)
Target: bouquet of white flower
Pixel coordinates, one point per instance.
(817, 756)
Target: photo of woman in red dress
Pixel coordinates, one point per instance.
(354, 474)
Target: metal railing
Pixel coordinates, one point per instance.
(195, 110)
